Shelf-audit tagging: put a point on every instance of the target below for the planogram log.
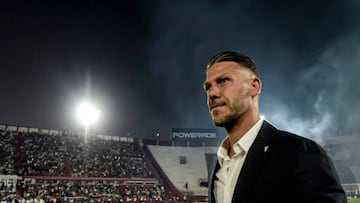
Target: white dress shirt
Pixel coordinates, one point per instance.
(230, 168)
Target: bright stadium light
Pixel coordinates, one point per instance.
(157, 138)
(88, 115)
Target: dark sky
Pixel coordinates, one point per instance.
(143, 62)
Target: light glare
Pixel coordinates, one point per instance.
(87, 113)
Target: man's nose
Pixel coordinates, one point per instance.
(213, 92)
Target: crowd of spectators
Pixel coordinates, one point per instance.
(31, 154)
(7, 152)
(70, 155)
(68, 191)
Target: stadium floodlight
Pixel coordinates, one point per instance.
(157, 138)
(87, 114)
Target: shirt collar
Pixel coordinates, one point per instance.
(242, 145)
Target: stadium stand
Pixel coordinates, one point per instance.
(345, 152)
(62, 167)
(41, 165)
(185, 175)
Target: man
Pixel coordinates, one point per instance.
(257, 162)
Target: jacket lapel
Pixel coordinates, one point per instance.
(212, 178)
(254, 163)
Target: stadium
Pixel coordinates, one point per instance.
(44, 165)
(144, 63)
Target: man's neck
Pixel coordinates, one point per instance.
(237, 131)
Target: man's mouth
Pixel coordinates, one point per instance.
(213, 106)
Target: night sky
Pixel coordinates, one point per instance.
(142, 63)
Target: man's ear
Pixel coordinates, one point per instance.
(256, 86)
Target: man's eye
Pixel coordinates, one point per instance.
(207, 87)
(223, 80)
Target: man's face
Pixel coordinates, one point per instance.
(229, 92)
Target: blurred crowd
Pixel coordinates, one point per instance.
(59, 155)
(36, 154)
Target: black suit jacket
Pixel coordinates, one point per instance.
(283, 167)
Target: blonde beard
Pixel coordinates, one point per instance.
(237, 110)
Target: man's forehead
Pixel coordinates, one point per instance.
(224, 67)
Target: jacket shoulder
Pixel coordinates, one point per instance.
(289, 139)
